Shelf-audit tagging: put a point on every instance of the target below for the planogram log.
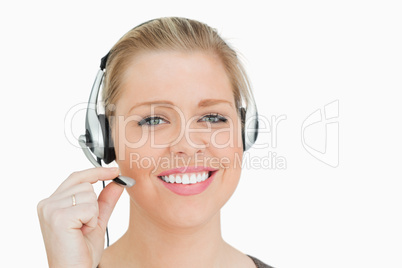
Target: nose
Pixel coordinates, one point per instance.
(189, 145)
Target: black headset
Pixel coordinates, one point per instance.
(98, 134)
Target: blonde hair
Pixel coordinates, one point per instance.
(174, 34)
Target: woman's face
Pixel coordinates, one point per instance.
(175, 110)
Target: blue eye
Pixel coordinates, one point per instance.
(156, 120)
(151, 121)
(215, 118)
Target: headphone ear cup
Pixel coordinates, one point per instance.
(251, 130)
(109, 154)
(243, 123)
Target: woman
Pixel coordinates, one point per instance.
(164, 78)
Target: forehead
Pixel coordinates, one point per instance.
(181, 77)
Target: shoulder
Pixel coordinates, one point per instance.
(258, 263)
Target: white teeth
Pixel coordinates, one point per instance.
(193, 178)
(185, 179)
(190, 178)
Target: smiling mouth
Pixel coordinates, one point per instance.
(187, 178)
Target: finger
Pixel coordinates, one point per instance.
(74, 200)
(75, 189)
(78, 194)
(89, 175)
(75, 217)
(107, 201)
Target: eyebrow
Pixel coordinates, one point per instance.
(202, 103)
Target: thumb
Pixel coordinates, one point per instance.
(107, 200)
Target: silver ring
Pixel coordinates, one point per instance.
(74, 203)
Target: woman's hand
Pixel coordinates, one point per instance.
(74, 234)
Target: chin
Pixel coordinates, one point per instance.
(191, 214)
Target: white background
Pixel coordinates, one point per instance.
(300, 56)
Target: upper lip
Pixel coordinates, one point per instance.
(185, 170)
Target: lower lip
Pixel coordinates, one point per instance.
(189, 189)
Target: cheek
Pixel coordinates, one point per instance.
(133, 153)
(140, 164)
(232, 161)
(228, 136)
(226, 144)
(133, 142)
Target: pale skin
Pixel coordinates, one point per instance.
(165, 229)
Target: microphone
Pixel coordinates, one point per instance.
(122, 180)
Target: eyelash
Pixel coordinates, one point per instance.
(146, 120)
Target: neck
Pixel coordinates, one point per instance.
(148, 243)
